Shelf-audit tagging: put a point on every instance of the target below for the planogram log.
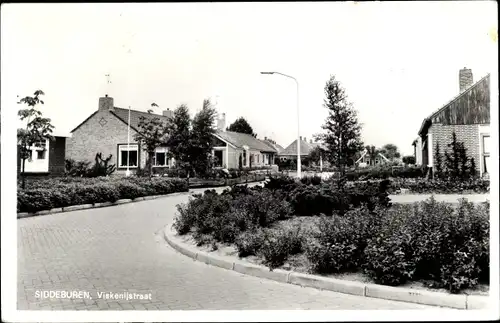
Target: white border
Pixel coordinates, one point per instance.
(9, 252)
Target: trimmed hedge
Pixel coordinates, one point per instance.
(56, 193)
(384, 172)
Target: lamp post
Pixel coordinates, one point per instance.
(299, 166)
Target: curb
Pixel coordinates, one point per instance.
(22, 215)
(408, 295)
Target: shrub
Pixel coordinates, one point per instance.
(443, 186)
(311, 180)
(249, 243)
(430, 241)
(340, 242)
(60, 192)
(280, 182)
(279, 244)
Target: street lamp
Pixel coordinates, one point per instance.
(299, 166)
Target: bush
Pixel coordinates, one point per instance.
(441, 186)
(279, 244)
(433, 242)
(311, 180)
(340, 243)
(385, 172)
(249, 243)
(234, 211)
(60, 192)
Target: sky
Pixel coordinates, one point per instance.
(398, 62)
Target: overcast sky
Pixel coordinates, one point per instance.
(399, 62)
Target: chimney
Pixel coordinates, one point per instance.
(310, 141)
(221, 123)
(265, 138)
(305, 139)
(465, 79)
(106, 103)
(300, 138)
(167, 113)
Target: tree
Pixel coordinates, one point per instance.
(241, 126)
(240, 162)
(152, 133)
(315, 154)
(390, 151)
(343, 132)
(457, 163)
(202, 138)
(409, 160)
(38, 129)
(179, 140)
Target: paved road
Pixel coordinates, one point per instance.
(121, 249)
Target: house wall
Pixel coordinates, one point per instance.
(468, 134)
(93, 137)
(57, 154)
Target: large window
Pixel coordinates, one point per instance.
(218, 158)
(161, 157)
(486, 153)
(128, 155)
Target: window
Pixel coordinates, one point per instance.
(244, 157)
(486, 153)
(160, 158)
(128, 155)
(40, 154)
(218, 158)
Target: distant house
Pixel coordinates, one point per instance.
(290, 152)
(367, 160)
(275, 145)
(468, 115)
(106, 131)
(229, 147)
(47, 159)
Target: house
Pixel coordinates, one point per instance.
(417, 150)
(106, 131)
(468, 115)
(46, 159)
(367, 160)
(275, 145)
(290, 152)
(229, 147)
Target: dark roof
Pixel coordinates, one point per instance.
(276, 146)
(305, 148)
(122, 114)
(135, 115)
(242, 139)
(427, 121)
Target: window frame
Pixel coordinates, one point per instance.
(484, 154)
(119, 149)
(161, 150)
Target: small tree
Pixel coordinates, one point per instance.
(179, 140)
(240, 162)
(38, 129)
(453, 159)
(315, 154)
(202, 138)
(242, 126)
(409, 160)
(152, 133)
(390, 151)
(473, 171)
(343, 132)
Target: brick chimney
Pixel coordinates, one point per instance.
(106, 103)
(167, 113)
(265, 138)
(310, 141)
(465, 79)
(221, 123)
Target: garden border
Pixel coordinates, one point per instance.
(95, 205)
(467, 302)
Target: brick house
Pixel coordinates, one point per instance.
(228, 146)
(48, 159)
(106, 131)
(366, 160)
(468, 115)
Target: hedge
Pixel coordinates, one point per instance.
(56, 193)
(439, 186)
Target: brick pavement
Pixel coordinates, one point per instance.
(119, 249)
